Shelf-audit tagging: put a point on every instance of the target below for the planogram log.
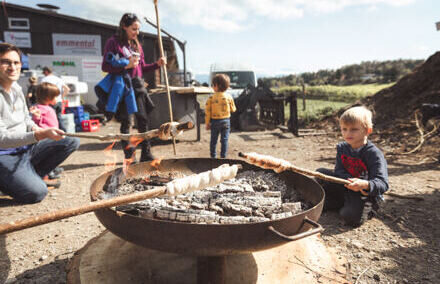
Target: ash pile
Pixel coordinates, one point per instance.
(253, 196)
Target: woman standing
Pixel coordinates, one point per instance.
(124, 61)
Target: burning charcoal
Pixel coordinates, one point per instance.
(139, 187)
(233, 209)
(195, 205)
(282, 215)
(276, 194)
(257, 219)
(113, 181)
(216, 208)
(292, 207)
(253, 196)
(258, 213)
(148, 213)
(163, 214)
(228, 186)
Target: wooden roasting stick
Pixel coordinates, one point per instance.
(279, 165)
(166, 131)
(164, 68)
(172, 188)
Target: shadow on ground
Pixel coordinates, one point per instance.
(47, 273)
(5, 262)
(416, 249)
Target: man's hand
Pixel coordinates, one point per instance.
(208, 126)
(357, 184)
(49, 133)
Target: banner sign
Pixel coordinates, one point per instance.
(20, 39)
(91, 70)
(75, 44)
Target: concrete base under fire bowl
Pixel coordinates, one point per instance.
(109, 259)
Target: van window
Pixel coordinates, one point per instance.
(239, 79)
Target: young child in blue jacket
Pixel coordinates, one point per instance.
(363, 164)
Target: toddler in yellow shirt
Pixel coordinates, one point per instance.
(218, 111)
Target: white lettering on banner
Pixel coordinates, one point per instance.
(76, 44)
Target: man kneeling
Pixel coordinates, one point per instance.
(27, 152)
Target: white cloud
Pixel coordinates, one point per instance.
(224, 15)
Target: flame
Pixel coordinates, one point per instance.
(126, 165)
(110, 163)
(156, 163)
(134, 141)
(110, 147)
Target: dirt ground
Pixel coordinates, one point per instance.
(401, 245)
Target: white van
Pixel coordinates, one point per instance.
(241, 76)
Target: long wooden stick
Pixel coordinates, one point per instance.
(70, 212)
(273, 165)
(214, 178)
(164, 68)
(144, 135)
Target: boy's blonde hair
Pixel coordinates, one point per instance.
(358, 114)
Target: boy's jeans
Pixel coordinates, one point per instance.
(222, 127)
(21, 174)
(353, 207)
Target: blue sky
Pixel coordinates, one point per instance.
(281, 36)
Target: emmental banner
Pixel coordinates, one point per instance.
(76, 44)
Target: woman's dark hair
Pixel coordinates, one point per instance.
(221, 81)
(6, 47)
(46, 92)
(127, 20)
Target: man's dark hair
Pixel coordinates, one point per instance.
(221, 81)
(6, 47)
(47, 69)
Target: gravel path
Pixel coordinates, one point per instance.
(400, 246)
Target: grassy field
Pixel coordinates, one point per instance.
(315, 109)
(336, 93)
(322, 100)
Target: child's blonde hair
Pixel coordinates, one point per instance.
(358, 114)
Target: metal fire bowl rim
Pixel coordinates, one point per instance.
(120, 213)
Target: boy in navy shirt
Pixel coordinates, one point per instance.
(363, 164)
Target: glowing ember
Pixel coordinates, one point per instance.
(156, 163)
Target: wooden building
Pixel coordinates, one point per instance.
(44, 31)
